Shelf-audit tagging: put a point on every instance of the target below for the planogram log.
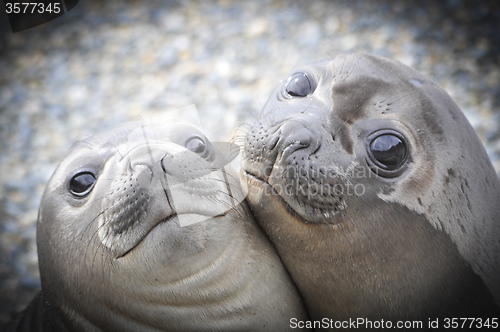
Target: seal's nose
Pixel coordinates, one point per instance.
(279, 143)
(295, 135)
(146, 155)
(145, 164)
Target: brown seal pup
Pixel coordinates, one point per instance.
(376, 192)
(141, 228)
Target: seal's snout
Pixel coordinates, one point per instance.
(296, 136)
(146, 157)
(293, 138)
(159, 160)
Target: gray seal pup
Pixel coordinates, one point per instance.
(143, 228)
(376, 192)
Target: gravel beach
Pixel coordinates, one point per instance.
(108, 62)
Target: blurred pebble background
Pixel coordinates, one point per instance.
(107, 62)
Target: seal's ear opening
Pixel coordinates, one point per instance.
(388, 153)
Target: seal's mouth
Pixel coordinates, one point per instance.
(308, 211)
(170, 218)
(175, 218)
(270, 191)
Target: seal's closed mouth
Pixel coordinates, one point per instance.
(318, 215)
(272, 191)
(174, 217)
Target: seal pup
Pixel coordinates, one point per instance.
(143, 228)
(376, 192)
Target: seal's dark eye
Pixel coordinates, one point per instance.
(198, 146)
(298, 85)
(81, 184)
(388, 150)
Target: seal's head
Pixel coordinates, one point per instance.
(141, 227)
(375, 190)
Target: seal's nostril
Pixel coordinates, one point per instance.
(274, 140)
(145, 177)
(299, 137)
(138, 165)
(165, 162)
